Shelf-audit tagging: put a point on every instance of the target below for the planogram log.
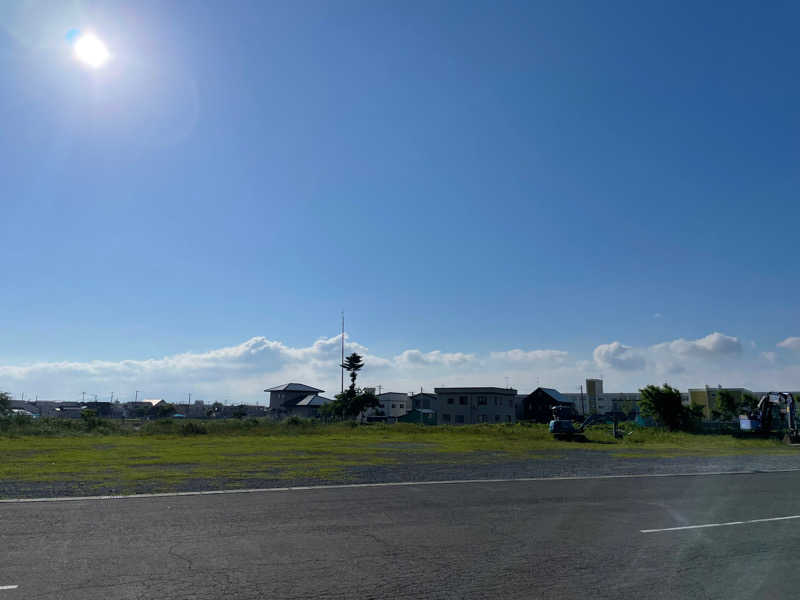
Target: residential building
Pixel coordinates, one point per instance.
(593, 400)
(295, 399)
(708, 397)
(424, 416)
(142, 408)
(423, 400)
(467, 405)
(537, 406)
(24, 407)
(394, 404)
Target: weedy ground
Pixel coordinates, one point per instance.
(163, 455)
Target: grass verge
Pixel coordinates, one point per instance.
(165, 455)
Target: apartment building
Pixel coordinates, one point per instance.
(470, 405)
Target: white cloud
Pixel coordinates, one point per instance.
(617, 356)
(416, 358)
(713, 344)
(657, 315)
(530, 356)
(791, 343)
(242, 371)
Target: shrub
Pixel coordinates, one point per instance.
(192, 428)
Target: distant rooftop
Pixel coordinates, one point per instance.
(313, 400)
(553, 393)
(294, 387)
(474, 390)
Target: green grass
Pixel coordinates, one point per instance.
(158, 456)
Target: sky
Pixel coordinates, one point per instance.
(495, 193)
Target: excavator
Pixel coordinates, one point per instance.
(761, 420)
(562, 427)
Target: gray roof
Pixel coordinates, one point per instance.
(555, 394)
(294, 387)
(313, 400)
(474, 390)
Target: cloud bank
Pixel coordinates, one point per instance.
(240, 373)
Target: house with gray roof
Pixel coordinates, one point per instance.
(295, 399)
(537, 406)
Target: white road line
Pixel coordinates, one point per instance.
(707, 525)
(340, 486)
(8, 587)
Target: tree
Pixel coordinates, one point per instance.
(629, 408)
(362, 401)
(353, 364)
(163, 410)
(354, 401)
(749, 403)
(332, 410)
(727, 407)
(347, 407)
(5, 403)
(664, 404)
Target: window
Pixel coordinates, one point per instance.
(497, 418)
(445, 418)
(483, 418)
(402, 405)
(459, 418)
(426, 403)
(450, 400)
(394, 405)
(462, 399)
(508, 418)
(481, 400)
(495, 401)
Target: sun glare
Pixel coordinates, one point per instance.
(91, 51)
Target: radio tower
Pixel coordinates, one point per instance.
(341, 364)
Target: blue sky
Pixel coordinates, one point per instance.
(460, 178)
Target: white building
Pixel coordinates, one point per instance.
(394, 404)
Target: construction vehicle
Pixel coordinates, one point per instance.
(761, 420)
(563, 428)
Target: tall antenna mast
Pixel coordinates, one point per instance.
(342, 363)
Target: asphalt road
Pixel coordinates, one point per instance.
(520, 539)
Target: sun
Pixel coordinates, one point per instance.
(91, 51)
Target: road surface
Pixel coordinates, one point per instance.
(580, 538)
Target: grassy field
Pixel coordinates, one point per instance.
(164, 455)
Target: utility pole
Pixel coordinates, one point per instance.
(83, 401)
(188, 403)
(342, 363)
